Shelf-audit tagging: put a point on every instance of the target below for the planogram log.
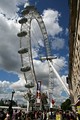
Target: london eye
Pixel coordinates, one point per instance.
(30, 14)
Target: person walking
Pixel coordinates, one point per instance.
(58, 116)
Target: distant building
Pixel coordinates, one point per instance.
(74, 51)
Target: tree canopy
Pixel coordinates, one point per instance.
(66, 105)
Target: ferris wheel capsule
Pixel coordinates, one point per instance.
(25, 69)
(22, 34)
(25, 12)
(29, 85)
(23, 20)
(23, 50)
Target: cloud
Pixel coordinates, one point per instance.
(20, 90)
(51, 20)
(66, 31)
(19, 84)
(4, 84)
(26, 4)
(42, 74)
(10, 8)
(9, 58)
(58, 43)
(59, 63)
(4, 89)
(7, 87)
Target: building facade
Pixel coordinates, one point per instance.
(74, 51)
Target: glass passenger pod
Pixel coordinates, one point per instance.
(28, 9)
(29, 85)
(22, 34)
(23, 20)
(25, 68)
(25, 12)
(23, 50)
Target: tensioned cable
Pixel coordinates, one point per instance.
(33, 34)
(36, 39)
(35, 79)
(56, 64)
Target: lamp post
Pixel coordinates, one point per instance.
(12, 95)
(10, 105)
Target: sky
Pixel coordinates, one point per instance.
(55, 15)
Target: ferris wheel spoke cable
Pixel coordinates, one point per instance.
(56, 64)
(59, 78)
(44, 32)
(33, 71)
(45, 41)
(33, 34)
(30, 58)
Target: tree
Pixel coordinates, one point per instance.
(66, 105)
(44, 101)
(32, 99)
(1, 102)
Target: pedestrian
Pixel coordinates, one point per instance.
(7, 117)
(28, 118)
(58, 116)
(47, 114)
(2, 114)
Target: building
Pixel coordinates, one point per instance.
(74, 52)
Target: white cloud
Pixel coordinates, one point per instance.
(5, 96)
(42, 74)
(4, 84)
(26, 4)
(51, 20)
(66, 31)
(9, 44)
(19, 84)
(59, 63)
(58, 43)
(10, 7)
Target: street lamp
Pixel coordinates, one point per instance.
(12, 95)
(10, 105)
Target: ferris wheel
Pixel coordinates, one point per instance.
(29, 14)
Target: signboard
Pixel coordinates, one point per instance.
(38, 93)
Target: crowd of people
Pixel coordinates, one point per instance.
(12, 115)
(38, 115)
(53, 115)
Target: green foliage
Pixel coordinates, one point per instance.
(44, 100)
(32, 99)
(66, 105)
(1, 102)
